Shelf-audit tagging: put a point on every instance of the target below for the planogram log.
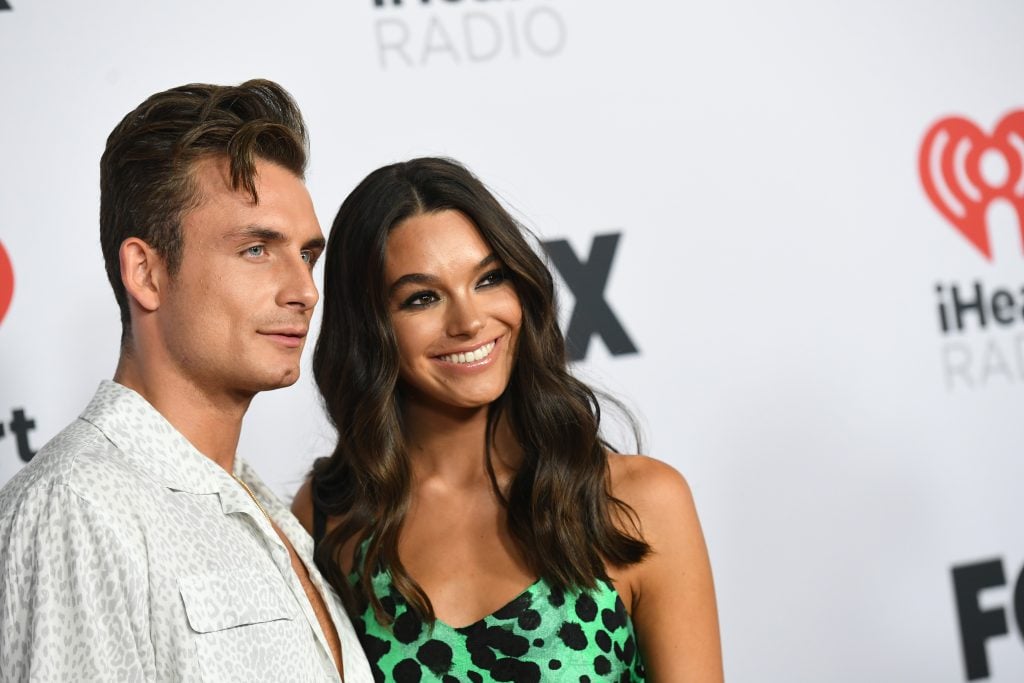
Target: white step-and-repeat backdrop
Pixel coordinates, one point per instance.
(790, 233)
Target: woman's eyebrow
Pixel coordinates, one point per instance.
(487, 260)
(424, 279)
(413, 278)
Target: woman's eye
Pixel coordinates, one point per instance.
(419, 299)
(495, 277)
(256, 250)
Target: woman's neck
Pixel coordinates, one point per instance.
(447, 443)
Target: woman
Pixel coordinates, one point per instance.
(469, 463)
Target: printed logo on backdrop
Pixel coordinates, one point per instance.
(6, 282)
(966, 173)
(588, 280)
(424, 33)
(20, 424)
(980, 624)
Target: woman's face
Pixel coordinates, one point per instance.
(455, 316)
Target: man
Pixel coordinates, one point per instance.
(136, 546)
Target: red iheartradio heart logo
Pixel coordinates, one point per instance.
(6, 282)
(963, 170)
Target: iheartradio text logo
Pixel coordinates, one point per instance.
(964, 170)
(6, 282)
(981, 319)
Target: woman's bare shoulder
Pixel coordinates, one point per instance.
(672, 588)
(654, 489)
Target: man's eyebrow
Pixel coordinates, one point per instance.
(256, 232)
(270, 235)
(317, 243)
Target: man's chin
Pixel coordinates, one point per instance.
(285, 379)
(277, 380)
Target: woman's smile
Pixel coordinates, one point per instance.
(474, 357)
(455, 314)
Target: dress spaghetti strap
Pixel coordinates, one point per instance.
(319, 524)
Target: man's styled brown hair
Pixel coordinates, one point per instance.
(146, 172)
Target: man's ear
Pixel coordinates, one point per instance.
(143, 273)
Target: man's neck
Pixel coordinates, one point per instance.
(210, 420)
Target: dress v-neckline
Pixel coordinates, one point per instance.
(361, 549)
(526, 591)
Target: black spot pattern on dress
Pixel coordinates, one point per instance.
(629, 649)
(407, 627)
(529, 620)
(506, 641)
(556, 597)
(573, 636)
(613, 619)
(603, 641)
(407, 671)
(374, 647)
(514, 608)
(475, 627)
(477, 644)
(388, 603)
(544, 629)
(436, 656)
(509, 669)
(483, 658)
(586, 608)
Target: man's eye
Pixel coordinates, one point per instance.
(256, 250)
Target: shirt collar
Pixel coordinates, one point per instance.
(132, 424)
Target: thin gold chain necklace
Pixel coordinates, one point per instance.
(254, 499)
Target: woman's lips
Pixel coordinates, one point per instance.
(474, 357)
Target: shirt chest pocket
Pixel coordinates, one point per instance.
(247, 627)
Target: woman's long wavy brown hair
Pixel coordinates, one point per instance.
(560, 509)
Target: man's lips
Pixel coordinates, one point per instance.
(291, 337)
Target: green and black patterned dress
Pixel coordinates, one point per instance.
(544, 634)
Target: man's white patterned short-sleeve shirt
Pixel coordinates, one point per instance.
(127, 555)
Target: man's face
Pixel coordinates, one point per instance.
(235, 317)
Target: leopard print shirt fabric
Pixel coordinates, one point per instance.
(127, 555)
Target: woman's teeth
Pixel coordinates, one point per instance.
(472, 356)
